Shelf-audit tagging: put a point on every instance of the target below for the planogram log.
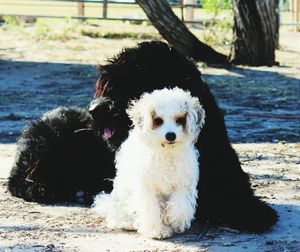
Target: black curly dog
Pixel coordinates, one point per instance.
(63, 156)
(59, 158)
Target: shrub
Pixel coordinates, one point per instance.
(12, 20)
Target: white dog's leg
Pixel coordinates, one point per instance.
(120, 220)
(114, 211)
(150, 222)
(180, 209)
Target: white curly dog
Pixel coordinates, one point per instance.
(157, 169)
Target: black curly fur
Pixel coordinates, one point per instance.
(61, 158)
(225, 194)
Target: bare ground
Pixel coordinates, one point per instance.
(275, 174)
(48, 71)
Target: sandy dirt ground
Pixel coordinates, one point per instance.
(275, 174)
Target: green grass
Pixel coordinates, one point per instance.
(12, 20)
(65, 31)
(92, 33)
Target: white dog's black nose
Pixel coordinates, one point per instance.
(170, 136)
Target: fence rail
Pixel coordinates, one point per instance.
(103, 8)
(77, 10)
(84, 18)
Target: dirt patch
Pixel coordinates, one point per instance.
(275, 174)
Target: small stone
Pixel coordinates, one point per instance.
(269, 242)
(228, 244)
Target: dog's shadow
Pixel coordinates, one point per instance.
(284, 236)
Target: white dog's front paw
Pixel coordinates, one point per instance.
(160, 233)
(180, 226)
(179, 215)
(181, 221)
(120, 224)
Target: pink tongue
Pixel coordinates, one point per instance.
(107, 133)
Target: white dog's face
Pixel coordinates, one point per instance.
(167, 117)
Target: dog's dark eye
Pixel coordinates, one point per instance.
(181, 121)
(158, 121)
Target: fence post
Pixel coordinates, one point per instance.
(296, 13)
(80, 9)
(189, 13)
(181, 9)
(104, 9)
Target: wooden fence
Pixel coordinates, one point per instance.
(185, 9)
(102, 9)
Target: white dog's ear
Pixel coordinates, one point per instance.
(200, 112)
(135, 113)
(196, 115)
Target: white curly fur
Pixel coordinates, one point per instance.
(155, 188)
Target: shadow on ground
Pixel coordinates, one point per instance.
(284, 236)
(259, 105)
(28, 89)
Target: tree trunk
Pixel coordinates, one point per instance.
(177, 34)
(254, 32)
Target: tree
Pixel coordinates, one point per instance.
(255, 32)
(177, 34)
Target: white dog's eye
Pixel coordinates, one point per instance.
(181, 120)
(157, 121)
